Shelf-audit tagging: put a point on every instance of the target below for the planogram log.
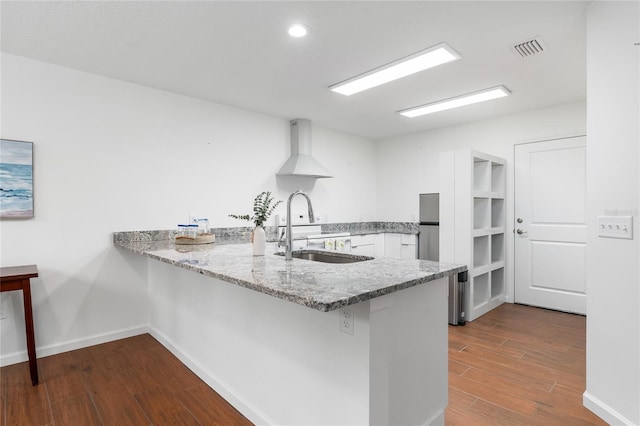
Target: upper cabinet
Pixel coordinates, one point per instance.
(472, 212)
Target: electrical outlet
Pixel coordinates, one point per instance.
(346, 320)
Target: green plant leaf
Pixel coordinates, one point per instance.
(262, 209)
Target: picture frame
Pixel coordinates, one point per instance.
(16, 179)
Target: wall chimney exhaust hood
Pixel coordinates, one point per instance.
(301, 163)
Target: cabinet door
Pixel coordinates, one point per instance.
(392, 245)
(364, 250)
(408, 251)
(400, 246)
(363, 244)
(362, 240)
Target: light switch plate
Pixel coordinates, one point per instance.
(615, 227)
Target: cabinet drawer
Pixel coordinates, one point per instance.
(408, 239)
(364, 250)
(361, 240)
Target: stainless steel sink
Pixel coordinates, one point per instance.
(327, 257)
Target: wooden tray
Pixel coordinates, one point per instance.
(200, 239)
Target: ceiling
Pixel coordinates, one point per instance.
(239, 53)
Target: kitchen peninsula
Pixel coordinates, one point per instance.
(303, 342)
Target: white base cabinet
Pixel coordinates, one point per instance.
(472, 225)
(400, 246)
(281, 363)
(409, 246)
(364, 245)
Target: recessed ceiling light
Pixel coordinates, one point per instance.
(298, 30)
(458, 101)
(428, 58)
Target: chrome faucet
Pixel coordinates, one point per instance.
(289, 246)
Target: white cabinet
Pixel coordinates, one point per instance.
(472, 218)
(364, 245)
(409, 246)
(400, 246)
(392, 246)
(408, 251)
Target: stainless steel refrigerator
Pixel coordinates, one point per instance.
(429, 249)
(429, 237)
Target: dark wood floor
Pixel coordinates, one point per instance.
(516, 365)
(133, 381)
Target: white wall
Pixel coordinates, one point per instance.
(113, 156)
(613, 188)
(409, 165)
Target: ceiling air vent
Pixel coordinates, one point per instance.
(530, 47)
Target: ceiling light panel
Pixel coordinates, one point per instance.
(456, 102)
(298, 30)
(425, 59)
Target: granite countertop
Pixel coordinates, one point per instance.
(321, 286)
(241, 234)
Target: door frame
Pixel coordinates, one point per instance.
(510, 289)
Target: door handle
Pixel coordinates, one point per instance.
(521, 231)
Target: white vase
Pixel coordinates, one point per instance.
(259, 241)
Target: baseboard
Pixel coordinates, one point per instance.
(58, 348)
(437, 419)
(603, 411)
(255, 415)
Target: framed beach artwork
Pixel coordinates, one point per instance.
(16, 179)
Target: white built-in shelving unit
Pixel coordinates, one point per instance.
(472, 225)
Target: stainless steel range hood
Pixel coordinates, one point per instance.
(301, 163)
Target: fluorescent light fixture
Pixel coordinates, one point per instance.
(428, 58)
(458, 101)
(298, 30)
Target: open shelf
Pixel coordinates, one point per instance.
(497, 283)
(481, 213)
(480, 251)
(480, 290)
(497, 213)
(497, 177)
(474, 200)
(481, 175)
(497, 248)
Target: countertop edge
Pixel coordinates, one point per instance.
(314, 304)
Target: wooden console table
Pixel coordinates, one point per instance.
(18, 278)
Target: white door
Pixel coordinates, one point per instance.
(550, 229)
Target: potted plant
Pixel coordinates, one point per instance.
(262, 209)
